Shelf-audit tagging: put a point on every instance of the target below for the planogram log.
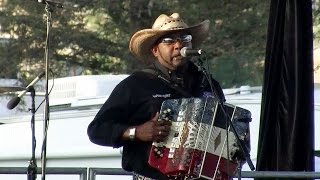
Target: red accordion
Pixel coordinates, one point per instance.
(200, 144)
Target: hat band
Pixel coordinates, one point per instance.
(173, 24)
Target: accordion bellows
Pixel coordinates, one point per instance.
(201, 143)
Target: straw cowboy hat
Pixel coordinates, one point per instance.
(142, 41)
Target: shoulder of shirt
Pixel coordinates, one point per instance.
(145, 74)
(134, 78)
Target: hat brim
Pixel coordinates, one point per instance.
(142, 41)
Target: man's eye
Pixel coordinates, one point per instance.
(167, 40)
(183, 39)
(186, 38)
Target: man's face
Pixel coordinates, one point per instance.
(167, 49)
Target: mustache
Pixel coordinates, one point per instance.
(178, 57)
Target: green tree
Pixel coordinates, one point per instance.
(91, 37)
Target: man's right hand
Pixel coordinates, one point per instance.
(153, 130)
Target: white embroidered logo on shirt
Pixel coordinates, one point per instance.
(161, 95)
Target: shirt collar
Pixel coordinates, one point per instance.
(176, 76)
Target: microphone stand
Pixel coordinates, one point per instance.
(239, 171)
(243, 147)
(48, 9)
(32, 168)
(46, 106)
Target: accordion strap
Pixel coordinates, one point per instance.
(167, 81)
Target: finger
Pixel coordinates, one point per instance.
(158, 137)
(167, 130)
(162, 137)
(164, 123)
(155, 117)
(163, 131)
(164, 128)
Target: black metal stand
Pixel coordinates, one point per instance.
(239, 171)
(243, 147)
(32, 168)
(46, 107)
(49, 10)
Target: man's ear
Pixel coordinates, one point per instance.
(154, 51)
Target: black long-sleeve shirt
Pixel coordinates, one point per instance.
(136, 100)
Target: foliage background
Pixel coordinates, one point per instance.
(91, 37)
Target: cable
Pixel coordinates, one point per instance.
(52, 74)
(227, 117)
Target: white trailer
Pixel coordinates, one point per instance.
(74, 101)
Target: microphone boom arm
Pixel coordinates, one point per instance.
(15, 100)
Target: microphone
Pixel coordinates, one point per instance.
(187, 52)
(15, 100)
(56, 4)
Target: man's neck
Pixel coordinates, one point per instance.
(175, 76)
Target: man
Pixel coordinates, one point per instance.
(129, 116)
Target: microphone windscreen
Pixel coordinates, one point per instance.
(183, 51)
(13, 102)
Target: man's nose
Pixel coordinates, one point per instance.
(178, 44)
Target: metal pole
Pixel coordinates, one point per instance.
(46, 107)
